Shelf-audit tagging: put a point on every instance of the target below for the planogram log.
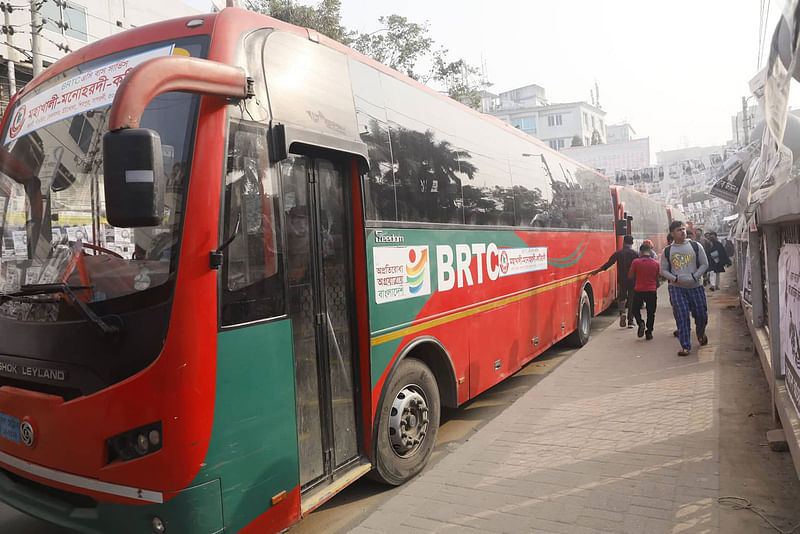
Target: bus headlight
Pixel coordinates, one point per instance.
(135, 443)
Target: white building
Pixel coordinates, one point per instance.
(558, 125)
(620, 133)
(633, 154)
(708, 156)
(70, 25)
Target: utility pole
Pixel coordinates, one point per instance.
(36, 27)
(9, 31)
(745, 121)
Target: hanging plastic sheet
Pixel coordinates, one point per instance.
(732, 173)
(781, 68)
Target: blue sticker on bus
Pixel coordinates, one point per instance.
(9, 428)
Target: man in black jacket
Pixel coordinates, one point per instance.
(718, 259)
(623, 258)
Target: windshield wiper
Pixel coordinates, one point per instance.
(28, 292)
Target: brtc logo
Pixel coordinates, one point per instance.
(504, 262)
(17, 122)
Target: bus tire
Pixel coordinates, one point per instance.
(580, 336)
(407, 424)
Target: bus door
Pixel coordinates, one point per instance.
(316, 204)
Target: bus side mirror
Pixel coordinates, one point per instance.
(134, 178)
(622, 227)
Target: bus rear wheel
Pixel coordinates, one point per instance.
(580, 336)
(407, 424)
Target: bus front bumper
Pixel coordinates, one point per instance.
(195, 509)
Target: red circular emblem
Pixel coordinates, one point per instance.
(17, 122)
(504, 262)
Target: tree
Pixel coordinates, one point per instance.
(400, 44)
(324, 18)
(459, 78)
(596, 139)
(577, 141)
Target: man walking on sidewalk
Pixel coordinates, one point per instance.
(683, 264)
(717, 260)
(645, 270)
(623, 258)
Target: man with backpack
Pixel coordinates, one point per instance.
(683, 264)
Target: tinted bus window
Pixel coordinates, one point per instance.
(489, 197)
(253, 280)
(430, 162)
(428, 184)
(379, 183)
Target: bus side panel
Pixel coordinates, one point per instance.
(504, 314)
(495, 348)
(253, 448)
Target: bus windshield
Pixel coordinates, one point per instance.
(52, 218)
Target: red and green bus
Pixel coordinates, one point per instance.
(243, 265)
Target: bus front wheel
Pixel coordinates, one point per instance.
(407, 423)
(580, 336)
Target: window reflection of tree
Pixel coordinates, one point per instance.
(580, 199)
(379, 184)
(426, 174)
(424, 182)
(528, 205)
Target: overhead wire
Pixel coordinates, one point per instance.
(48, 56)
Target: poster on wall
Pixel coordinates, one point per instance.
(789, 287)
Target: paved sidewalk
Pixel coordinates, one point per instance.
(625, 436)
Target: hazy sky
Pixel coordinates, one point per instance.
(676, 70)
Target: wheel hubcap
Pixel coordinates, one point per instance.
(408, 421)
(585, 320)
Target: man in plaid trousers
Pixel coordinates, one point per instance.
(683, 264)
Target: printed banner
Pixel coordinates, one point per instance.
(522, 260)
(82, 92)
(730, 177)
(789, 287)
(401, 273)
(727, 188)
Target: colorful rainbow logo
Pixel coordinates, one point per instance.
(415, 270)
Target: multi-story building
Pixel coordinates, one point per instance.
(707, 156)
(68, 25)
(559, 125)
(612, 157)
